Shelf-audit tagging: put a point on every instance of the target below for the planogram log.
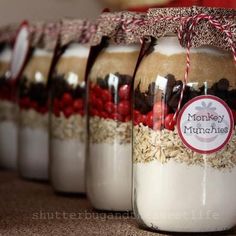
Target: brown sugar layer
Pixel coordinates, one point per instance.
(4, 67)
(76, 65)
(106, 63)
(38, 64)
(204, 68)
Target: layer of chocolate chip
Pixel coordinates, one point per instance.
(210, 92)
(38, 92)
(178, 86)
(142, 102)
(223, 85)
(102, 83)
(232, 99)
(59, 86)
(2, 80)
(23, 89)
(193, 94)
(170, 84)
(150, 100)
(106, 79)
(124, 79)
(173, 102)
(173, 92)
(78, 92)
(137, 103)
(222, 94)
(152, 88)
(171, 81)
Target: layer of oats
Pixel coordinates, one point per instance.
(8, 111)
(164, 145)
(68, 128)
(32, 119)
(109, 131)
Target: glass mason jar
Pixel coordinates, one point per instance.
(33, 153)
(8, 112)
(176, 186)
(67, 142)
(109, 164)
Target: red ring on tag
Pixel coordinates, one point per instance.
(20, 50)
(205, 114)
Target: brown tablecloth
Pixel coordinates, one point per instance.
(32, 208)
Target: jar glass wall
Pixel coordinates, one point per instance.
(8, 112)
(176, 188)
(33, 153)
(109, 162)
(67, 144)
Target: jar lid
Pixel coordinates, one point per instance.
(36, 33)
(51, 35)
(8, 33)
(207, 33)
(198, 26)
(44, 35)
(76, 31)
(119, 27)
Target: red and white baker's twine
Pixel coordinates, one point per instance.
(84, 31)
(186, 33)
(89, 30)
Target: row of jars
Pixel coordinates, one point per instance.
(102, 120)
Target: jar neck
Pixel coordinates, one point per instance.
(6, 54)
(118, 48)
(77, 50)
(169, 45)
(38, 52)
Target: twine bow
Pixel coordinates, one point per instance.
(185, 34)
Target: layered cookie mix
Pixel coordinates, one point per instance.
(68, 110)
(34, 116)
(7, 87)
(68, 126)
(8, 112)
(33, 91)
(110, 129)
(155, 132)
(110, 109)
(165, 167)
(110, 94)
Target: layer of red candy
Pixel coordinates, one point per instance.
(124, 108)
(67, 99)
(124, 92)
(160, 110)
(25, 103)
(102, 105)
(68, 111)
(78, 105)
(68, 106)
(170, 122)
(8, 91)
(234, 115)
